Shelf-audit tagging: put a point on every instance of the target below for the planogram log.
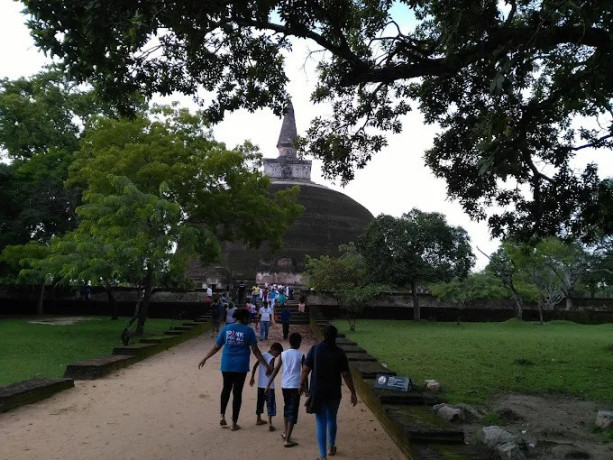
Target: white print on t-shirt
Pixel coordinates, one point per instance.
(235, 337)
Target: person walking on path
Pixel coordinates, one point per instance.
(265, 316)
(230, 310)
(291, 360)
(238, 341)
(269, 397)
(286, 316)
(328, 364)
(216, 312)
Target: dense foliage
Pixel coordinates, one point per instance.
(347, 278)
(415, 249)
(518, 88)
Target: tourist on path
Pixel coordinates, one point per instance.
(291, 360)
(230, 310)
(216, 312)
(238, 341)
(269, 397)
(328, 363)
(265, 316)
(286, 316)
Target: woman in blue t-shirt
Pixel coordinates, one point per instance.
(237, 340)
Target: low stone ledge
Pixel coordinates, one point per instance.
(419, 425)
(182, 328)
(351, 348)
(173, 332)
(98, 367)
(156, 339)
(359, 356)
(30, 391)
(134, 349)
(370, 369)
(345, 341)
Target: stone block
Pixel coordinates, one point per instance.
(96, 368)
(133, 349)
(604, 419)
(29, 391)
(370, 369)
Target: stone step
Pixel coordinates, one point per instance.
(30, 391)
(422, 426)
(173, 332)
(156, 339)
(370, 369)
(98, 367)
(133, 349)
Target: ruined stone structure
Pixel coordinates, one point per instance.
(330, 219)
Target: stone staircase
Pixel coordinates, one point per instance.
(297, 317)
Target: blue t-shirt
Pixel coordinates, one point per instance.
(236, 339)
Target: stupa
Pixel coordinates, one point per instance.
(330, 219)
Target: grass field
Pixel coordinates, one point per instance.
(473, 361)
(29, 350)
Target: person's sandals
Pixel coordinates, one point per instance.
(260, 422)
(235, 428)
(223, 422)
(332, 451)
(271, 428)
(290, 444)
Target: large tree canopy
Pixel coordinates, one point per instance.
(42, 119)
(518, 87)
(417, 248)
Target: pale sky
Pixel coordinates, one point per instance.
(394, 182)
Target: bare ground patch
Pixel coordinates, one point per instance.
(553, 427)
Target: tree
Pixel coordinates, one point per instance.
(503, 267)
(22, 260)
(553, 266)
(346, 278)
(416, 248)
(517, 88)
(159, 190)
(476, 286)
(42, 119)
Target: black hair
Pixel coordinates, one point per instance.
(330, 333)
(241, 315)
(295, 339)
(277, 346)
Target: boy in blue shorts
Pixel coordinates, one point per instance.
(292, 361)
(271, 404)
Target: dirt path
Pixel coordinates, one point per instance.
(165, 408)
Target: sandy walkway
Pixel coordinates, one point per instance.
(165, 408)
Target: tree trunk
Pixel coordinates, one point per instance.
(416, 311)
(39, 303)
(517, 298)
(540, 307)
(112, 302)
(144, 308)
(569, 303)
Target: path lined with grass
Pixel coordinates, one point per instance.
(39, 347)
(473, 361)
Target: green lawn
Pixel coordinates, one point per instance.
(473, 361)
(43, 350)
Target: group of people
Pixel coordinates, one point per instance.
(325, 363)
(261, 308)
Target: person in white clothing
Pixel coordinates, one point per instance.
(292, 361)
(266, 396)
(264, 317)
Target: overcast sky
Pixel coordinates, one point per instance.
(394, 182)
